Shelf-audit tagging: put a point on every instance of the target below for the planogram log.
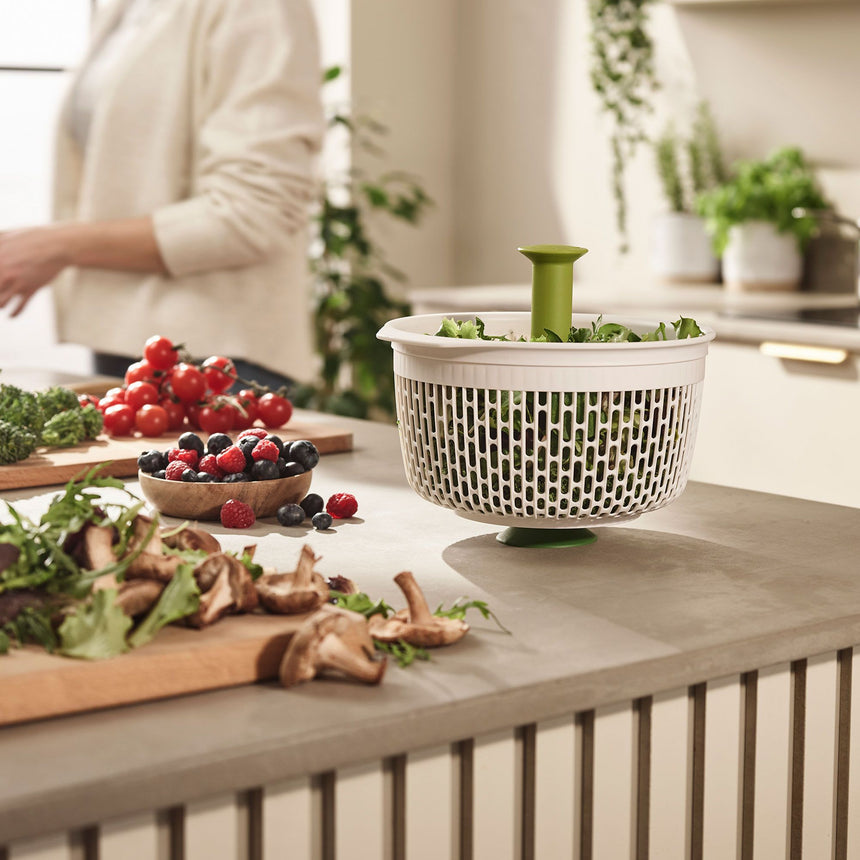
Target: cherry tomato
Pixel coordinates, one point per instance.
(117, 394)
(215, 419)
(88, 400)
(246, 411)
(192, 412)
(175, 413)
(140, 393)
(141, 371)
(160, 352)
(151, 419)
(274, 410)
(188, 382)
(119, 419)
(220, 373)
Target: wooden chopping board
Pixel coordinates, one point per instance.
(59, 465)
(239, 649)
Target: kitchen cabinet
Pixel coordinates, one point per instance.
(655, 695)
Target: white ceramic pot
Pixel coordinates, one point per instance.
(758, 257)
(682, 251)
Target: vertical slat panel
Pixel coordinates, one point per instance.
(213, 828)
(721, 821)
(671, 771)
(853, 834)
(362, 813)
(772, 762)
(432, 804)
(292, 820)
(819, 773)
(556, 783)
(134, 838)
(57, 847)
(496, 797)
(614, 785)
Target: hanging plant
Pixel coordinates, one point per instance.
(352, 276)
(623, 76)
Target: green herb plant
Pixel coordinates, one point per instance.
(623, 77)
(352, 276)
(770, 189)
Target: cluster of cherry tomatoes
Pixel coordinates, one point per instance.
(165, 392)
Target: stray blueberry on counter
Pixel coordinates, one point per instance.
(290, 515)
(312, 504)
(321, 521)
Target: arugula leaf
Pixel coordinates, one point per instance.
(404, 653)
(97, 629)
(361, 603)
(461, 606)
(180, 597)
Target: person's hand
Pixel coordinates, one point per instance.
(29, 259)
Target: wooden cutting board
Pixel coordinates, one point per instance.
(58, 465)
(239, 649)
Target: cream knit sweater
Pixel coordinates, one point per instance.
(210, 124)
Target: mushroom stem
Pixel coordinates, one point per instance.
(334, 653)
(419, 611)
(304, 569)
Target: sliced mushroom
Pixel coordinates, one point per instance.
(98, 551)
(148, 565)
(332, 639)
(288, 593)
(137, 596)
(342, 584)
(144, 533)
(228, 588)
(416, 625)
(191, 538)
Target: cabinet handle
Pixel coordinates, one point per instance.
(804, 352)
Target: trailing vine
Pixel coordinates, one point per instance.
(623, 77)
(351, 277)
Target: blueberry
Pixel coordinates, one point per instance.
(234, 478)
(205, 478)
(192, 442)
(290, 515)
(152, 461)
(189, 476)
(247, 445)
(217, 442)
(160, 474)
(278, 442)
(280, 463)
(303, 452)
(312, 504)
(264, 470)
(292, 468)
(321, 521)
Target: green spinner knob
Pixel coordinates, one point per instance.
(552, 286)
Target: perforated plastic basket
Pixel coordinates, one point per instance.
(545, 435)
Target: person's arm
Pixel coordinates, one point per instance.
(30, 259)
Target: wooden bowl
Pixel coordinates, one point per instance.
(203, 501)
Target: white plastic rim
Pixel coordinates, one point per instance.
(545, 435)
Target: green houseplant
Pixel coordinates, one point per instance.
(351, 278)
(623, 77)
(754, 222)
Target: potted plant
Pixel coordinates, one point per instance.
(753, 221)
(681, 250)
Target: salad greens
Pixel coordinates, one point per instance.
(597, 332)
(58, 608)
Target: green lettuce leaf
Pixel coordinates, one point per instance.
(97, 630)
(180, 597)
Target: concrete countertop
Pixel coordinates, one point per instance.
(734, 316)
(719, 582)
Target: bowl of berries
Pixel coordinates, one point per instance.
(195, 478)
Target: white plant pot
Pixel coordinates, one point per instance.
(682, 250)
(758, 257)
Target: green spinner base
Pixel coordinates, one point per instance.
(516, 536)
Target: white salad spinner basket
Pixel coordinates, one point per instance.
(545, 435)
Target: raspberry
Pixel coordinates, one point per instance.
(265, 450)
(187, 455)
(231, 459)
(259, 432)
(237, 515)
(210, 465)
(342, 505)
(174, 470)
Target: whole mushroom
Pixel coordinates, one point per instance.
(416, 624)
(289, 593)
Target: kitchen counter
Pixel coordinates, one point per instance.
(739, 317)
(720, 584)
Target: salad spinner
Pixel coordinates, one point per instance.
(546, 439)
